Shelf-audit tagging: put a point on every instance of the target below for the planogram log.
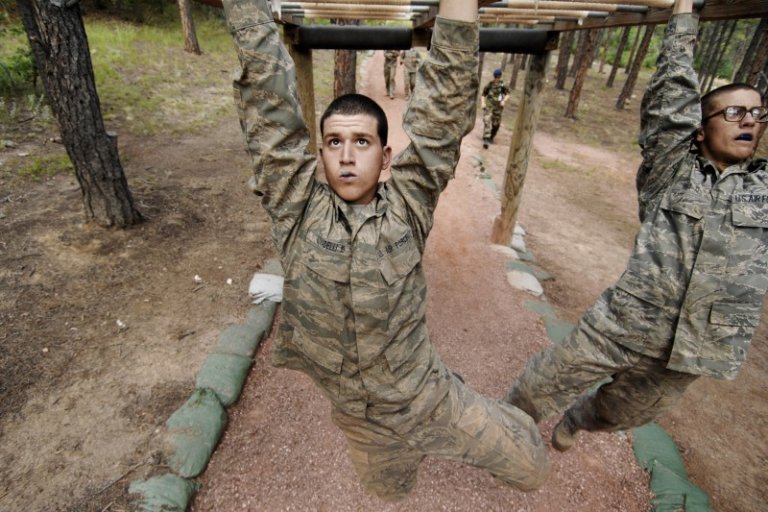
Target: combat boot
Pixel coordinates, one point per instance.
(564, 434)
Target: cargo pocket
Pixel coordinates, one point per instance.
(321, 363)
(686, 202)
(731, 324)
(638, 306)
(750, 237)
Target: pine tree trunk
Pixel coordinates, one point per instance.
(728, 28)
(642, 50)
(604, 54)
(581, 74)
(580, 53)
(563, 56)
(750, 62)
(188, 27)
(708, 51)
(760, 65)
(345, 68)
(632, 52)
(617, 60)
(60, 46)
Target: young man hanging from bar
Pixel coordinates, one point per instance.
(690, 298)
(354, 299)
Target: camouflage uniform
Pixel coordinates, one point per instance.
(690, 298)
(494, 92)
(411, 60)
(354, 298)
(390, 67)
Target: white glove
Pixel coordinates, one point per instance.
(266, 287)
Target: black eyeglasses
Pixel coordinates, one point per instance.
(735, 113)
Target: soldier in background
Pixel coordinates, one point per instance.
(690, 298)
(390, 66)
(411, 59)
(495, 95)
(354, 297)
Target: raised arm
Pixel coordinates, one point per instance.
(670, 110)
(270, 115)
(440, 112)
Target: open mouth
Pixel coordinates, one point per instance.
(745, 136)
(345, 175)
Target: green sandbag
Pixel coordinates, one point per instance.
(261, 316)
(193, 432)
(165, 493)
(224, 374)
(652, 443)
(672, 493)
(241, 340)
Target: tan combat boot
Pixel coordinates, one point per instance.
(564, 434)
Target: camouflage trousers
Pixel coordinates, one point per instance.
(466, 427)
(389, 77)
(640, 387)
(491, 123)
(409, 79)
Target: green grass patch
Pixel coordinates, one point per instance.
(41, 167)
(149, 84)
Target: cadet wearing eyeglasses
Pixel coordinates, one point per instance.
(690, 298)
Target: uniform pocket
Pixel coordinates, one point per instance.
(731, 324)
(399, 257)
(750, 215)
(322, 364)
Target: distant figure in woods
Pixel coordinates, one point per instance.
(495, 95)
(390, 67)
(690, 298)
(354, 297)
(411, 60)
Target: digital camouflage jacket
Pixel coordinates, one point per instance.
(693, 289)
(354, 295)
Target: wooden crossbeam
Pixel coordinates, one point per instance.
(601, 13)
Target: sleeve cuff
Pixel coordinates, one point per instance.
(460, 35)
(246, 13)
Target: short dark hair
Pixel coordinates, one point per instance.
(353, 104)
(708, 100)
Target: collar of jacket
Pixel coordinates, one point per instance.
(342, 209)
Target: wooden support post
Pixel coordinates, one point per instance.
(305, 86)
(520, 149)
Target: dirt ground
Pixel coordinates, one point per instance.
(102, 332)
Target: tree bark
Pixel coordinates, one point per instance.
(642, 50)
(563, 56)
(573, 100)
(632, 51)
(714, 31)
(760, 65)
(580, 53)
(60, 46)
(604, 53)
(617, 59)
(751, 61)
(345, 68)
(188, 27)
